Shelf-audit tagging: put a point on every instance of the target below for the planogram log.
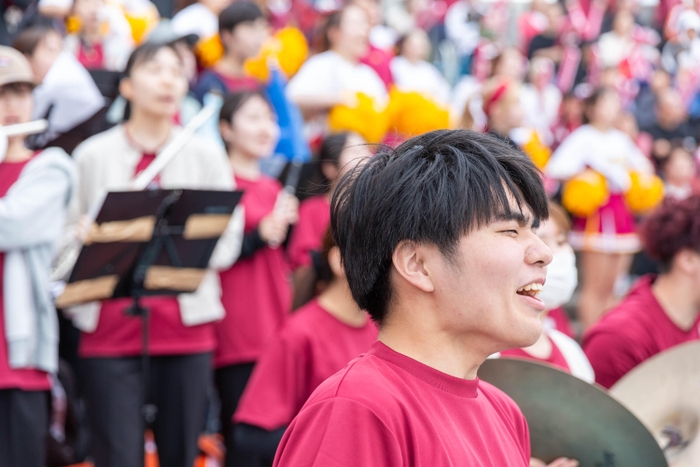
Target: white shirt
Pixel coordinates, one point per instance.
(73, 93)
(465, 34)
(196, 19)
(541, 108)
(422, 77)
(329, 74)
(612, 153)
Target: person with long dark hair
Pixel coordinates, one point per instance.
(337, 151)
(182, 338)
(606, 238)
(256, 290)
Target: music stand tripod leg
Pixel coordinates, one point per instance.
(145, 261)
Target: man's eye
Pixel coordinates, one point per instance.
(510, 232)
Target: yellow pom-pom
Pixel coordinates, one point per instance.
(366, 118)
(412, 114)
(537, 151)
(73, 24)
(645, 193)
(209, 50)
(287, 48)
(585, 194)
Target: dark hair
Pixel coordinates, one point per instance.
(235, 100)
(322, 41)
(144, 53)
(673, 227)
(593, 99)
(433, 189)
(28, 40)
(237, 13)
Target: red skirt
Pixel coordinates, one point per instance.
(610, 229)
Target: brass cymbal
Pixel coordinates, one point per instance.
(571, 418)
(664, 393)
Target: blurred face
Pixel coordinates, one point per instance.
(572, 110)
(416, 47)
(482, 290)
(680, 169)
(253, 131)
(89, 13)
(16, 104)
(156, 86)
(623, 23)
(351, 37)
(508, 112)
(371, 9)
(606, 111)
(670, 110)
(45, 54)
(554, 237)
(354, 152)
(511, 64)
(189, 60)
(246, 39)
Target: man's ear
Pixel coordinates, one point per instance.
(409, 261)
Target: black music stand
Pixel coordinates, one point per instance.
(147, 243)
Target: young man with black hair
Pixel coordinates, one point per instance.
(243, 29)
(438, 242)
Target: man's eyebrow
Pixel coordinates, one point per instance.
(522, 219)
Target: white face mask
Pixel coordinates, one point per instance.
(562, 278)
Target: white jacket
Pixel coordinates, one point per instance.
(107, 162)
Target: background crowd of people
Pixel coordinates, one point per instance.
(602, 95)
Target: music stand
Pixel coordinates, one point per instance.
(148, 243)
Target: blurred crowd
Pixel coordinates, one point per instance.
(602, 95)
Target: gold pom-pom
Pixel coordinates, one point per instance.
(585, 194)
(287, 48)
(412, 114)
(537, 151)
(209, 50)
(367, 118)
(73, 24)
(645, 193)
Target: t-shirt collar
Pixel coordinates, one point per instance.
(460, 387)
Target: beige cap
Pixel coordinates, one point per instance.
(14, 68)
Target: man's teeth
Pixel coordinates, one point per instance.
(531, 289)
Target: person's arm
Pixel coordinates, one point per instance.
(34, 212)
(257, 441)
(314, 88)
(568, 160)
(611, 355)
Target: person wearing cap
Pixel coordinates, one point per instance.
(35, 188)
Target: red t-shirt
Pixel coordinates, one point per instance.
(314, 218)
(25, 379)
(91, 58)
(386, 409)
(561, 321)
(238, 83)
(634, 331)
(119, 335)
(556, 357)
(380, 62)
(256, 291)
(312, 346)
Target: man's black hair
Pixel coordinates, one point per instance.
(432, 189)
(237, 13)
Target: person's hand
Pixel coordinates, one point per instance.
(561, 462)
(289, 209)
(273, 229)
